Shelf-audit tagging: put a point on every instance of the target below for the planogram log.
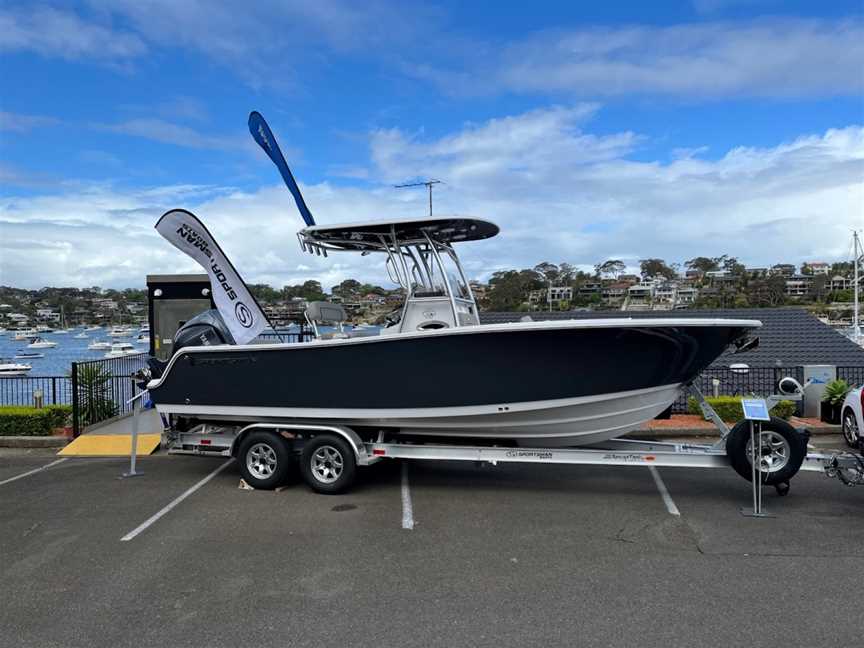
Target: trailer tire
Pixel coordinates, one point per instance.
(784, 449)
(328, 464)
(265, 460)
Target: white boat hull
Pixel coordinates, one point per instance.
(561, 422)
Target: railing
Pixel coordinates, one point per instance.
(761, 381)
(101, 389)
(852, 375)
(23, 390)
(294, 334)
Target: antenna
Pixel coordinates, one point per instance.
(427, 183)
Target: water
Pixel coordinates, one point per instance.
(58, 361)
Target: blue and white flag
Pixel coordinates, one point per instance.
(238, 307)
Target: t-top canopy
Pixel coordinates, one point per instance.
(363, 236)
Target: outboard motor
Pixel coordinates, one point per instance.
(205, 329)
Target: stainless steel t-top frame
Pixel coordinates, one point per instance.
(417, 265)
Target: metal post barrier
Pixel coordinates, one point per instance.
(133, 453)
(76, 406)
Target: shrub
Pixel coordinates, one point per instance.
(27, 421)
(94, 391)
(835, 392)
(62, 415)
(729, 408)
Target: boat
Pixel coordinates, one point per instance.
(41, 343)
(433, 369)
(99, 346)
(81, 336)
(89, 329)
(28, 355)
(10, 368)
(118, 331)
(143, 338)
(24, 334)
(120, 349)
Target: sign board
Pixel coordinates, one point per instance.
(755, 409)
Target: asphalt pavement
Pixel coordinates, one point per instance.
(511, 555)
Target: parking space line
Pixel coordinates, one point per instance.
(31, 472)
(407, 508)
(148, 522)
(664, 493)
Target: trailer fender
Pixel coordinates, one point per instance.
(308, 429)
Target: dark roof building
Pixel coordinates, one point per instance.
(789, 337)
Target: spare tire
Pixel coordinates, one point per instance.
(783, 450)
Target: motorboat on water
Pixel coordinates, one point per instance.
(28, 355)
(99, 346)
(120, 349)
(143, 338)
(119, 332)
(41, 343)
(434, 369)
(10, 368)
(24, 334)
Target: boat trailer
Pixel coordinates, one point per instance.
(330, 453)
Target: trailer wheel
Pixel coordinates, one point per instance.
(265, 460)
(327, 464)
(851, 433)
(783, 451)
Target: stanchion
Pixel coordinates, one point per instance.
(133, 453)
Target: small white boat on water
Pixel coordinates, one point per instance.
(41, 343)
(24, 334)
(143, 338)
(120, 349)
(28, 355)
(119, 332)
(99, 346)
(81, 336)
(92, 328)
(9, 368)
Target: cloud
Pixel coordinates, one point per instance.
(558, 191)
(160, 130)
(766, 57)
(63, 34)
(18, 123)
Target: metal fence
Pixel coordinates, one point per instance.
(24, 390)
(852, 375)
(101, 389)
(723, 381)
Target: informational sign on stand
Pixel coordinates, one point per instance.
(755, 409)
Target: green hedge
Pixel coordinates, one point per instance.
(729, 408)
(30, 421)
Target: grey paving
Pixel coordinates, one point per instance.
(500, 556)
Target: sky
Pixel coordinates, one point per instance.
(585, 130)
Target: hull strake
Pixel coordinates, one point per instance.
(572, 421)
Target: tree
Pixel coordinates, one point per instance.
(702, 264)
(656, 268)
(819, 288)
(508, 289)
(264, 293)
(610, 268)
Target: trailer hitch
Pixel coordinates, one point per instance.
(847, 467)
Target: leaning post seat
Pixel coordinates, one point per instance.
(320, 312)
